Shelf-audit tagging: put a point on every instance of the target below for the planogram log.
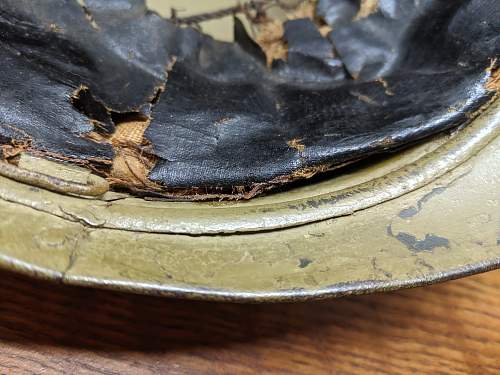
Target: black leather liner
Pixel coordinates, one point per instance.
(220, 118)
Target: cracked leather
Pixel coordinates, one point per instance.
(219, 116)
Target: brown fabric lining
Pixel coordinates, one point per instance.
(131, 164)
(270, 32)
(493, 83)
(366, 8)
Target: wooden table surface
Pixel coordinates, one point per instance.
(450, 328)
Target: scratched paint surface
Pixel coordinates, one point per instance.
(452, 224)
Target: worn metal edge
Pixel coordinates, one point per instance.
(246, 293)
(221, 295)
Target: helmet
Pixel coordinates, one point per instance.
(344, 149)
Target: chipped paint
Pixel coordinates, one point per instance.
(304, 262)
(428, 243)
(412, 211)
(348, 254)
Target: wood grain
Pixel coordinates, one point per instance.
(452, 328)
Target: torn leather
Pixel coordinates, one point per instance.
(217, 119)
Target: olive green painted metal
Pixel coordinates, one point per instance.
(92, 185)
(281, 212)
(428, 214)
